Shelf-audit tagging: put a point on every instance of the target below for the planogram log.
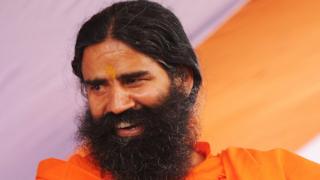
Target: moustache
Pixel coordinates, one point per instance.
(144, 119)
(131, 116)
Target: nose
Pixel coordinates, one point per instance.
(119, 101)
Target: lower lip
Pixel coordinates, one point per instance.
(131, 132)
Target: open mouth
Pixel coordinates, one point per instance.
(125, 129)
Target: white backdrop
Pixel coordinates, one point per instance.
(39, 97)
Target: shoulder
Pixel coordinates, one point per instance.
(51, 169)
(77, 167)
(276, 163)
(274, 156)
(255, 156)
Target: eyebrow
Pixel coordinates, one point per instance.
(133, 75)
(122, 77)
(97, 81)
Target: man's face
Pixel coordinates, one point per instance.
(119, 78)
(137, 124)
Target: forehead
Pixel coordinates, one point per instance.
(116, 56)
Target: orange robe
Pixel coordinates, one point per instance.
(232, 163)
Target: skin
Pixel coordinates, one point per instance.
(119, 78)
(109, 61)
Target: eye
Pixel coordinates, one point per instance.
(95, 87)
(131, 81)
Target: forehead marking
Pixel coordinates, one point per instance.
(110, 71)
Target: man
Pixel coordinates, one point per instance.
(141, 78)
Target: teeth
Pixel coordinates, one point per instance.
(123, 125)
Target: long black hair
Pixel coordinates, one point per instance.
(145, 26)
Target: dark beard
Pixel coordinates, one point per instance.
(163, 150)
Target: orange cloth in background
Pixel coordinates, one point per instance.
(232, 163)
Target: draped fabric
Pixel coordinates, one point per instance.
(231, 164)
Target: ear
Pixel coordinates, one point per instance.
(186, 81)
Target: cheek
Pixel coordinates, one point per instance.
(150, 97)
(152, 93)
(96, 106)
